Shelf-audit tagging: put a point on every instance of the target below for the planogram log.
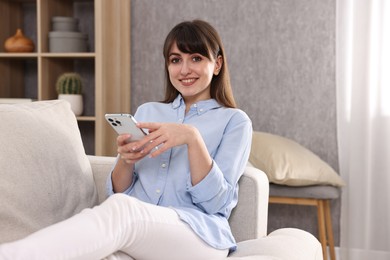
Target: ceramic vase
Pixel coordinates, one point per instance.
(18, 43)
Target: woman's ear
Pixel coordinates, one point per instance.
(218, 65)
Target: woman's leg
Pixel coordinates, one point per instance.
(118, 255)
(165, 236)
(123, 223)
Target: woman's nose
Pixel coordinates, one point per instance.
(185, 68)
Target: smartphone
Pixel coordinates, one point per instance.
(125, 124)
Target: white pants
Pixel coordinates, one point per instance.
(121, 223)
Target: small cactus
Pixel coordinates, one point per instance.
(69, 83)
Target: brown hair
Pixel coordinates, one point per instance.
(199, 37)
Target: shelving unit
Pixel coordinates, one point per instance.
(105, 68)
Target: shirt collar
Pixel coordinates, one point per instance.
(201, 106)
(177, 102)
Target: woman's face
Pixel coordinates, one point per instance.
(191, 74)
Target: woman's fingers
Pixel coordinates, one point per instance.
(148, 125)
(161, 137)
(122, 139)
(125, 149)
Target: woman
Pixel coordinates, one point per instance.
(172, 192)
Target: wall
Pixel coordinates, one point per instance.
(281, 55)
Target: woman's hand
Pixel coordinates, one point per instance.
(126, 149)
(122, 175)
(163, 136)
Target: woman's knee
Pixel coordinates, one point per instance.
(120, 199)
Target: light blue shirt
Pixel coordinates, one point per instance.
(165, 180)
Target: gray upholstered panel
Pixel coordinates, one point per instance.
(252, 206)
(308, 192)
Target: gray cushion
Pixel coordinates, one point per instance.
(308, 192)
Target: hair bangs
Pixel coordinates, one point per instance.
(189, 40)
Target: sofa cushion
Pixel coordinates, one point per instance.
(45, 174)
(288, 163)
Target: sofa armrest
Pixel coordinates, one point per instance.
(101, 167)
(249, 217)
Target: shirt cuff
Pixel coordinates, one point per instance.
(206, 188)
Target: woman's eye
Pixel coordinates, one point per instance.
(175, 60)
(196, 58)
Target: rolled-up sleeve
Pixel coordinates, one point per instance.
(218, 191)
(206, 195)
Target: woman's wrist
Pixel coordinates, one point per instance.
(193, 135)
(122, 175)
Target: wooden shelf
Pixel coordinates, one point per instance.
(105, 69)
(86, 118)
(18, 55)
(49, 55)
(69, 55)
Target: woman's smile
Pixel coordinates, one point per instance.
(188, 81)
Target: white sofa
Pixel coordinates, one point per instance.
(46, 177)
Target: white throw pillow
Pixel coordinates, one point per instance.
(288, 163)
(45, 174)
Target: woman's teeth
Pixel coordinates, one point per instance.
(188, 80)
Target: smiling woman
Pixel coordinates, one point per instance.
(191, 74)
(198, 43)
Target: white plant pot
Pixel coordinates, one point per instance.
(76, 102)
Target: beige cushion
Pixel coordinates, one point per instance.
(45, 174)
(288, 163)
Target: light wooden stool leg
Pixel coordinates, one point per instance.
(322, 227)
(325, 229)
(329, 230)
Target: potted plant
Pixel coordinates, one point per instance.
(69, 87)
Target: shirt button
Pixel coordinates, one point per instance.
(158, 191)
(201, 110)
(195, 105)
(163, 165)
